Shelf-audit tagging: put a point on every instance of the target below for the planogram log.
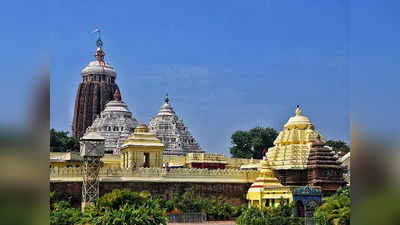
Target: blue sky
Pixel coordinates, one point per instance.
(226, 65)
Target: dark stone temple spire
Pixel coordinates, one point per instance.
(324, 170)
(97, 88)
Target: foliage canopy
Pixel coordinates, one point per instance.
(336, 209)
(248, 144)
(61, 142)
(338, 146)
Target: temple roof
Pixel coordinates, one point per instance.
(142, 137)
(92, 136)
(298, 121)
(115, 123)
(321, 156)
(166, 109)
(293, 143)
(267, 181)
(172, 131)
(116, 105)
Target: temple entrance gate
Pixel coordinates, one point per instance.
(306, 200)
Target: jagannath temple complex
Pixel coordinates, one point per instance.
(163, 156)
(114, 123)
(97, 88)
(172, 132)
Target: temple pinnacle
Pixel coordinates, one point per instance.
(166, 98)
(99, 55)
(298, 110)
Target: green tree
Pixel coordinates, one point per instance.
(338, 146)
(215, 207)
(61, 142)
(336, 209)
(62, 213)
(247, 144)
(123, 207)
(280, 215)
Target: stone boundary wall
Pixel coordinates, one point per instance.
(233, 193)
(116, 174)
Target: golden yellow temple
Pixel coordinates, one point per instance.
(293, 144)
(267, 190)
(142, 149)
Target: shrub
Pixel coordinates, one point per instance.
(215, 208)
(335, 210)
(62, 213)
(122, 207)
(280, 215)
(119, 207)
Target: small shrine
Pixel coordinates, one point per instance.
(142, 149)
(324, 170)
(267, 191)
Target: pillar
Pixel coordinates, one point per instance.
(122, 158)
(130, 160)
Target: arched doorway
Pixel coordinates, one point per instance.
(299, 208)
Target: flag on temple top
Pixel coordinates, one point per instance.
(264, 151)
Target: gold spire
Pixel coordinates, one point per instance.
(298, 110)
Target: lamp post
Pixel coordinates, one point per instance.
(92, 149)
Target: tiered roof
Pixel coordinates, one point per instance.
(172, 132)
(293, 144)
(115, 123)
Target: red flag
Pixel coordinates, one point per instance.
(264, 151)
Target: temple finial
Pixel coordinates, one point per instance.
(117, 95)
(166, 98)
(298, 110)
(99, 55)
(99, 42)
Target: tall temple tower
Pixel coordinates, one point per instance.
(97, 88)
(172, 132)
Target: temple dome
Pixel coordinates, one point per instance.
(116, 105)
(95, 67)
(115, 123)
(298, 121)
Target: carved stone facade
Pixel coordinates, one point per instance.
(115, 124)
(172, 132)
(97, 88)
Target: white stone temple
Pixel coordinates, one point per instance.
(172, 132)
(115, 124)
